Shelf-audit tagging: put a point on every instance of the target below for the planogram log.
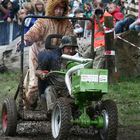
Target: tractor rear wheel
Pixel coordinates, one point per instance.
(9, 117)
(109, 113)
(61, 120)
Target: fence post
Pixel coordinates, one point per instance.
(109, 48)
(11, 33)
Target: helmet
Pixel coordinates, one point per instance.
(68, 41)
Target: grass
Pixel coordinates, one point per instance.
(125, 93)
(8, 84)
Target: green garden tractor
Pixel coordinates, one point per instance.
(83, 105)
(75, 100)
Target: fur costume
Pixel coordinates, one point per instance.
(37, 36)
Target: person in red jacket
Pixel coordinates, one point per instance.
(114, 10)
(99, 37)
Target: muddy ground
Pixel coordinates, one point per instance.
(41, 131)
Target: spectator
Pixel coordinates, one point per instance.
(39, 7)
(99, 37)
(76, 4)
(98, 4)
(8, 10)
(27, 10)
(87, 10)
(80, 24)
(45, 2)
(122, 6)
(70, 12)
(123, 25)
(5, 10)
(114, 10)
(130, 16)
(136, 24)
(71, 3)
(29, 7)
(38, 33)
(14, 10)
(105, 2)
(22, 13)
(29, 22)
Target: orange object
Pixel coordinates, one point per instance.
(99, 34)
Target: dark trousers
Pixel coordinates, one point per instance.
(123, 25)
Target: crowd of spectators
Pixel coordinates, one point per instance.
(10, 11)
(37, 7)
(124, 19)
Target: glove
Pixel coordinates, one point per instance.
(20, 46)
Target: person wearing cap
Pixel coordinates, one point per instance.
(68, 45)
(37, 35)
(47, 61)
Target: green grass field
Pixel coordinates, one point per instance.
(125, 93)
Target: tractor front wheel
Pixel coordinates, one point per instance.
(61, 117)
(109, 113)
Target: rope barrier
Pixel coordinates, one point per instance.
(128, 42)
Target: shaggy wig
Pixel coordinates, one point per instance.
(51, 4)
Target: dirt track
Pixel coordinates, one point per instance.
(41, 131)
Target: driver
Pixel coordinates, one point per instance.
(47, 61)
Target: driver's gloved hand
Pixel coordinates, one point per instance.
(19, 46)
(42, 74)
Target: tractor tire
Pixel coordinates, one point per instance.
(9, 117)
(61, 120)
(110, 115)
